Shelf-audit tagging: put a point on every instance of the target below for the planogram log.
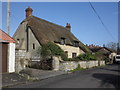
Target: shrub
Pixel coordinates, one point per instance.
(51, 49)
(101, 56)
(87, 56)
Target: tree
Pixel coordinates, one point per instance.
(112, 45)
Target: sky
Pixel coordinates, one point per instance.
(85, 24)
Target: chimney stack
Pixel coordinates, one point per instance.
(28, 12)
(68, 27)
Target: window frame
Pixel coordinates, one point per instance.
(76, 44)
(74, 55)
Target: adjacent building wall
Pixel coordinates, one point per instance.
(71, 49)
(11, 58)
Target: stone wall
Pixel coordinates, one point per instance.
(71, 65)
(21, 60)
(55, 63)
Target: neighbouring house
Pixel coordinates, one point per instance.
(33, 32)
(7, 46)
(109, 53)
(100, 49)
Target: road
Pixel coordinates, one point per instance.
(102, 77)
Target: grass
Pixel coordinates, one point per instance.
(77, 69)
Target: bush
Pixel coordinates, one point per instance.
(51, 49)
(87, 56)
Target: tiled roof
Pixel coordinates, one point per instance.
(5, 37)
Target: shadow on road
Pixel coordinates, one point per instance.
(116, 64)
(108, 79)
(111, 70)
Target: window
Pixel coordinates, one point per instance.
(33, 46)
(74, 55)
(62, 41)
(76, 43)
(18, 41)
(66, 53)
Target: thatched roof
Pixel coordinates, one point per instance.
(101, 49)
(45, 31)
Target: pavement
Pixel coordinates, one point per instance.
(27, 75)
(9, 79)
(40, 74)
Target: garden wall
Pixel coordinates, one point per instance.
(71, 65)
(20, 60)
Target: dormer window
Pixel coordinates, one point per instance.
(62, 41)
(76, 43)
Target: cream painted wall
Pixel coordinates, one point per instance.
(11, 58)
(71, 50)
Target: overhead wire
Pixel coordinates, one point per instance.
(101, 21)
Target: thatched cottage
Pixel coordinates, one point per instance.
(34, 32)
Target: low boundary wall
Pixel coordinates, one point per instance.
(71, 65)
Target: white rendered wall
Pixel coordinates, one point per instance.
(71, 50)
(11, 59)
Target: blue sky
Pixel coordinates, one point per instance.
(85, 25)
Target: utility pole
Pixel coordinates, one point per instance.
(8, 17)
(118, 48)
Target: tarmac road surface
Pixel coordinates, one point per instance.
(103, 77)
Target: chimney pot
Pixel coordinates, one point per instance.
(28, 11)
(68, 27)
